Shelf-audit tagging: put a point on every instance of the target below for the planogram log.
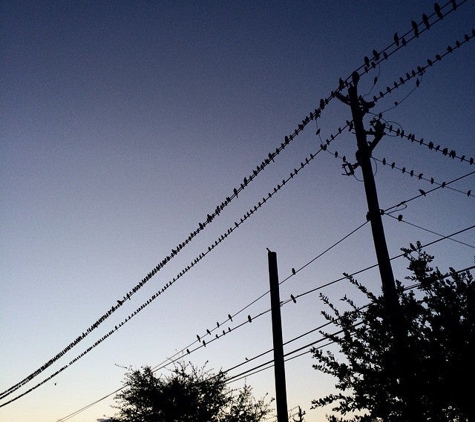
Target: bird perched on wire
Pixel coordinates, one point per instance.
(396, 39)
(438, 12)
(425, 19)
(415, 28)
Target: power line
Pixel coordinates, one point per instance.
(158, 293)
(445, 151)
(293, 298)
(432, 181)
(441, 186)
(429, 231)
(235, 378)
(421, 69)
(269, 364)
(230, 317)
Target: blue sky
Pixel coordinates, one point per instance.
(124, 125)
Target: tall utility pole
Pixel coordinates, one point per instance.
(401, 364)
(363, 156)
(279, 367)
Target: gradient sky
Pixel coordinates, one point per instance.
(124, 124)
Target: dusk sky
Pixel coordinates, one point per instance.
(126, 124)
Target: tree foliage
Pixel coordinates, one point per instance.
(188, 394)
(378, 379)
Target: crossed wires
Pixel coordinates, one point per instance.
(269, 364)
(210, 248)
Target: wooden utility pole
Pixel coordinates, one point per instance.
(400, 366)
(363, 156)
(279, 367)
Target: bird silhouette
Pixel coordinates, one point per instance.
(438, 12)
(208, 331)
(188, 351)
(422, 192)
(249, 318)
(293, 271)
(415, 28)
(425, 19)
(198, 337)
(293, 298)
(396, 39)
(399, 217)
(230, 317)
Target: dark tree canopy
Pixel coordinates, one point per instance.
(430, 380)
(188, 394)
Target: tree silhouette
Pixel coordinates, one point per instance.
(439, 318)
(188, 394)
